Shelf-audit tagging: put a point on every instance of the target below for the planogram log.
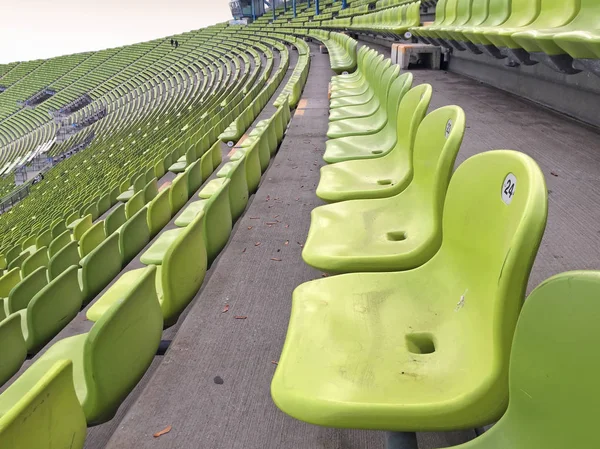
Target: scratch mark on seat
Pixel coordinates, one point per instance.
(461, 303)
(527, 394)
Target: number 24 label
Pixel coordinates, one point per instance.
(508, 188)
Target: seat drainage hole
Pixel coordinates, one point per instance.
(420, 343)
(376, 152)
(396, 236)
(384, 182)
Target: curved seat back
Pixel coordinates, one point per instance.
(120, 347)
(21, 294)
(178, 193)
(100, 267)
(18, 261)
(52, 308)
(63, 259)
(33, 262)
(217, 221)
(80, 228)
(59, 243)
(151, 190)
(58, 227)
(44, 238)
(159, 212)
(32, 417)
(134, 235)
(92, 238)
(183, 269)
(13, 350)
(115, 219)
(194, 176)
(134, 204)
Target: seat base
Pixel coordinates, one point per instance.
(156, 253)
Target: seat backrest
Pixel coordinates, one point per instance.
(115, 219)
(91, 238)
(194, 176)
(80, 228)
(58, 227)
(139, 183)
(14, 353)
(150, 191)
(28, 242)
(159, 211)
(59, 242)
(554, 13)
(135, 203)
(21, 294)
(120, 347)
(217, 221)
(553, 374)
(63, 259)
(134, 235)
(479, 12)
(17, 262)
(183, 269)
(400, 86)
(52, 308)
(36, 260)
(450, 10)
(383, 89)
(100, 267)
(178, 193)
(494, 218)
(522, 13)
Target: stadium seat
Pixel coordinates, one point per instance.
(38, 259)
(63, 259)
(544, 398)
(448, 323)
(59, 243)
(396, 233)
(114, 220)
(134, 235)
(13, 353)
(22, 293)
(251, 161)
(80, 226)
(238, 186)
(177, 279)
(112, 357)
(135, 204)
(381, 142)
(159, 212)
(100, 267)
(353, 98)
(51, 309)
(92, 238)
(35, 415)
(178, 193)
(138, 185)
(376, 173)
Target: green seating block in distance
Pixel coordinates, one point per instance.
(14, 353)
(113, 356)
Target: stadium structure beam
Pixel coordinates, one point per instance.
(317, 8)
(294, 7)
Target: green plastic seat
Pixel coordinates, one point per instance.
(386, 175)
(362, 95)
(159, 212)
(58, 228)
(59, 243)
(81, 225)
(138, 185)
(104, 203)
(44, 238)
(194, 176)
(251, 161)
(150, 190)
(36, 260)
(92, 238)
(46, 414)
(114, 220)
(381, 142)
(51, 309)
(156, 253)
(63, 259)
(371, 124)
(135, 204)
(9, 280)
(178, 193)
(100, 267)
(178, 279)
(134, 235)
(238, 187)
(396, 233)
(188, 159)
(13, 353)
(434, 341)
(22, 293)
(544, 398)
(113, 356)
(16, 263)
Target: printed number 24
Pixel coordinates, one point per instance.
(509, 188)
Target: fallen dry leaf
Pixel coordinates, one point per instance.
(162, 432)
(238, 317)
(274, 362)
(324, 275)
(250, 227)
(257, 244)
(244, 250)
(287, 242)
(275, 259)
(554, 174)
(254, 218)
(226, 308)
(271, 222)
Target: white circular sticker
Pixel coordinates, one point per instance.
(509, 187)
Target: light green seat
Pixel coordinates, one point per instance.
(59, 243)
(46, 414)
(178, 279)
(184, 219)
(195, 180)
(113, 356)
(36, 260)
(178, 192)
(238, 187)
(383, 176)
(383, 141)
(544, 398)
(104, 203)
(66, 257)
(156, 253)
(81, 225)
(434, 341)
(396, 233)
(13, 253)
(22, 293)
(7, 282)
(58, 228)
(13, 353)
(16, 263)
(159, 212)
(51, 309)
(134, 235)
(114, 220)
(138, 185)
(44, 238)
(366, 125)
(92, 238)
(370, 98)
(251, 161)
(100, 267)
(264, 146)
(150, 191)
(188, 159)
(135, 204)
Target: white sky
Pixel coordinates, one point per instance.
(33, 29)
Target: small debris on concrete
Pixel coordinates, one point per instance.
(218, 380)
(162, 432)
